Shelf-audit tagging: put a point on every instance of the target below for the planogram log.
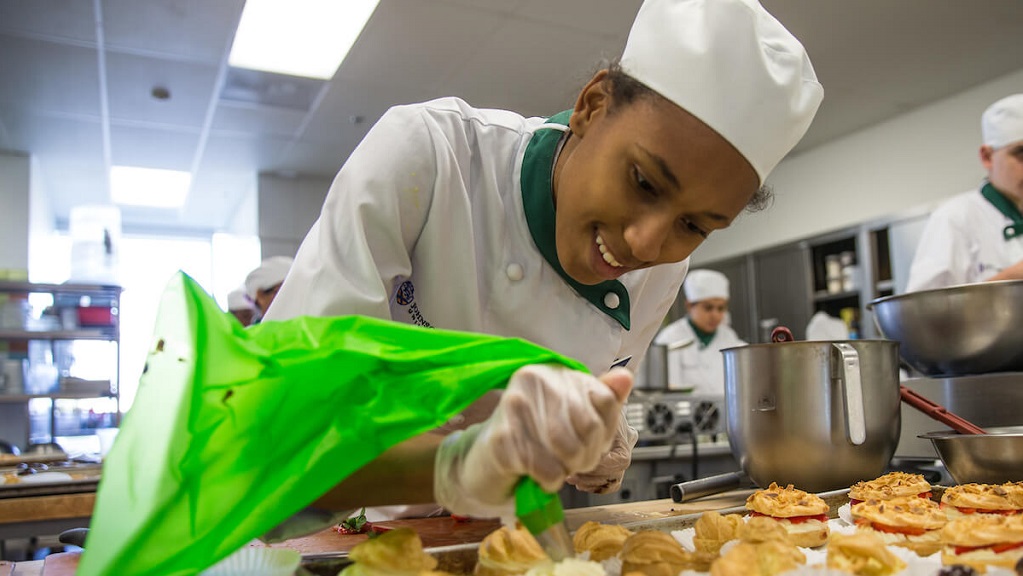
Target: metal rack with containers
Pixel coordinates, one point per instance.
(60, 350)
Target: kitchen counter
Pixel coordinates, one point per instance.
(438, 531)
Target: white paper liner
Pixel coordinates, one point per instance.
(250, 561)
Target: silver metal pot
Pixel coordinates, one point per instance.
(991, 458)
(820, 415)
(959, 330)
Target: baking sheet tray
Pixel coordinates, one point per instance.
(461, 558)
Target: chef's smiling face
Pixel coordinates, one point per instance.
(641, 184)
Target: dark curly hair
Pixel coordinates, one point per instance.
(625, 90)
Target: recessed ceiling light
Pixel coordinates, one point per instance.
(300, 37)
(150, 187)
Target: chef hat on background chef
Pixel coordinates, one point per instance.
(732, 65)
(238, 300)
(269, 274)
(705, 284)
(1002, 122)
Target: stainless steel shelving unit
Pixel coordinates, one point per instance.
(67, 302)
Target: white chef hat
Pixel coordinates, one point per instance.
(1002, 122)
(269, 274)
(705, 284)
(732, 65)
(238, 300)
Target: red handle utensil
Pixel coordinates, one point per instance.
(938, 412)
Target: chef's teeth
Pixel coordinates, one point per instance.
(608, 256)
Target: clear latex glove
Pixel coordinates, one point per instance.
(607, 476)
(551, 422)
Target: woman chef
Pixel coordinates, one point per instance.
(694, 342)
(978, 235)
(572, 231)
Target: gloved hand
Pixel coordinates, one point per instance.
(551, 422)
(607, 476)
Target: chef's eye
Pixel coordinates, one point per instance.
(642, 182)
(689, 225)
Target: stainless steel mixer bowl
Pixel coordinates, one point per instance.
(957, 331)
(788, 415)
(992, 458)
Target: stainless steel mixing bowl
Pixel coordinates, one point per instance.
(957, 331)
(992, 458)
(820, 415)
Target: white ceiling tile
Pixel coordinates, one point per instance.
(131, 79)
(56, 19)
(235, 153)
(515, 70)
(244, 118)
(500, 6)
(605, 17)
(418, 42)
(152, 147)
(56, 78)
(46, 136)
(191, 29)
(312, 159)
(349, 109)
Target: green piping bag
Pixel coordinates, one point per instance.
(234, 429)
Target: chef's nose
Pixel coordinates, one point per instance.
(647, 235)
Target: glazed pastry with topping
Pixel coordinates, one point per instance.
(908, 521)
(712, 530)
(983, 540)
(394, 553)
(761, 559)
(657, 553)
(966, 499)
(891, 485)
(602, 541)
(803, 515)
(505, 552)
(863, 554)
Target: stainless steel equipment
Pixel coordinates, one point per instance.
(987, 400)
(663, 416)
(991, 458)
(956, 331)
(820, 415)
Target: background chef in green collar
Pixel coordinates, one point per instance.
(572, 231)
(978, 235)
(695, 341)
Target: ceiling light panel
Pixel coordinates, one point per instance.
(307, 38)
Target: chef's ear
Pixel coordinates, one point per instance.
(985, 156)
(592, 103)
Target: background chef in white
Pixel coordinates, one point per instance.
(262, 284)
(239, 306)
(572, 231)
(695, 341)
(978, 235)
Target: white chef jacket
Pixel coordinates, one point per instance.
(963, 243)
(442, 217)
(693, 365)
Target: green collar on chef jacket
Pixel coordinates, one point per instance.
(1007, 208)
(705, 338)
(538, 201)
